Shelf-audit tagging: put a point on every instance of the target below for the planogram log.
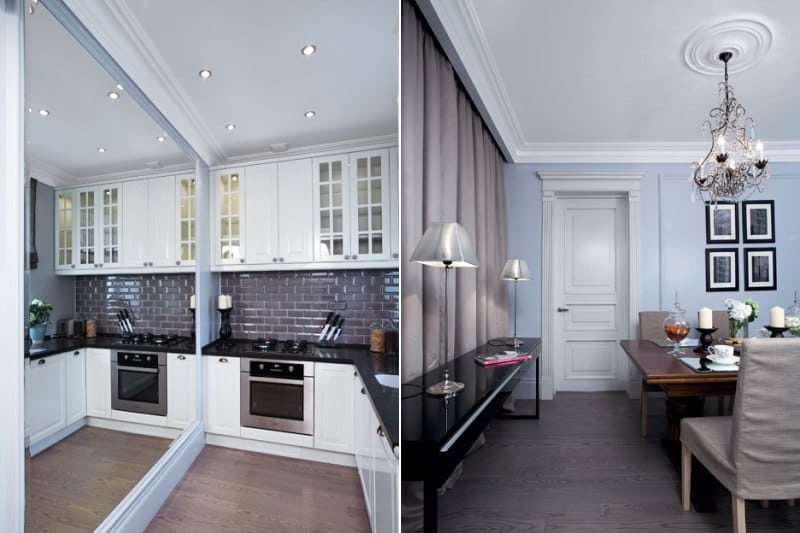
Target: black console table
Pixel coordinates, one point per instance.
(437, 433)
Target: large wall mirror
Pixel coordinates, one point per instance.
(110, 274)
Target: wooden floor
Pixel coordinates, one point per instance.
(234, 490)
(584, 468)
(75, 484)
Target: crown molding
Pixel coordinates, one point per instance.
(47, 173)
(117, 30)
(666, 152)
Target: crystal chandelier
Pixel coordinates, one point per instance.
(735, 166)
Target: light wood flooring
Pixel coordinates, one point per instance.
(235, 490)
(584, 468)
(73, 485)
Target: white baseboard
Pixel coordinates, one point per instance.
(527, 389)
(42, 444)
(283, 450)
(139, 418)
(133, 427)
(142, 503)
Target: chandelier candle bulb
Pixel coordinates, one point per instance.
(705, 318)
(777, 317)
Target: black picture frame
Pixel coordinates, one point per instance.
(714, 268)
(719, 228)
(758, 221)
(760, 277)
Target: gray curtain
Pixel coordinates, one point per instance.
(452, 171)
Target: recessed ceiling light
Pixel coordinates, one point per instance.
(308, 49)
(310, 114)
(230, 127)
(113, 95)
(205, 73)
(101, 150)
(161, 138)
(119, 87)
(30, 110)
(44, 112)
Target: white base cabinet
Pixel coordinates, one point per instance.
(334, 417)
(181, 389)
(98, 382)
(55, 393)
(222, 395)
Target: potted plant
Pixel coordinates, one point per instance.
(38, 318)
(740, 314)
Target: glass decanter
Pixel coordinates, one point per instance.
(676, 327)
(793, 317)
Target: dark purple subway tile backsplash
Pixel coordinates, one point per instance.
(295, 304)
(159, 302)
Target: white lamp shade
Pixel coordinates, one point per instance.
(516, 270)
(445, 244)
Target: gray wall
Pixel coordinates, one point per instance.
(672, 244)
(42, 282)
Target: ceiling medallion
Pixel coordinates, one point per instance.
(747, 39)
(734, 166)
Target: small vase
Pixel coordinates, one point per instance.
(734, 327)
(37, 333)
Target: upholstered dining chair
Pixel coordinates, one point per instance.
(755, 452)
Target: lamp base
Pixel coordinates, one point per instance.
(445, 388)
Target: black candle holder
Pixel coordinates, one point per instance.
(706, 340)
(776, 333)
(225, 331)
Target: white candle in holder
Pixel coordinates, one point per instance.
(222, 302)
(193, 302)
(777, 317)
(705, 318)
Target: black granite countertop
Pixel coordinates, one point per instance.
(385, 400)
(113, 342)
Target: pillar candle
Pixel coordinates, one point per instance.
(192, 302)
(776, 317)
(228, 301)
(222, 302)
(704, 318)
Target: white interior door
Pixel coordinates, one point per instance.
(591, 273)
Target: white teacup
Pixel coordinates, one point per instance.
(722, 352)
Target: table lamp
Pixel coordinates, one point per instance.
(447, 245)
(515, 270)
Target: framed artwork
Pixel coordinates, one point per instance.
(722, 223)
(759, 221)
(759, 269)
(722, 272)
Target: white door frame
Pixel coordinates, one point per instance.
(570, 183)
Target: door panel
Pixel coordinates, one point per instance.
(591, 293)
(295, 189)
(161, 216)
(261, 207)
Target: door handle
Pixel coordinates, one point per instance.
(563, 309)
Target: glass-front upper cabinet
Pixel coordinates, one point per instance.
(331, 223)
(230, 192)
(187, 219)
(110, 204)
(88, 226)
(369, 212)
(64, 230)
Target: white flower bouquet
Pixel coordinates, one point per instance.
(740, 313)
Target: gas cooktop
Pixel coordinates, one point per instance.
(261, 346)
(152, 341)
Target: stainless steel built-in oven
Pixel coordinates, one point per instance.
(139, 382)
(277, 395)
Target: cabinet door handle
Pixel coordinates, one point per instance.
(241, 260)
(354, 257)
(280, 259)
(72, 266)
(42, 361)
(274, 259)
(223, 359)
(395, 255)
(76, 352)
(563, 309)
(101, 265)
(380, 432)
(346, 258)
(177, 263)
(181, 358)
(363, 391)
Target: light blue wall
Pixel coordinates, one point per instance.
(672, 242)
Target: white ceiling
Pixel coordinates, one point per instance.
(260, 81)
(62, 147)
(573, 80)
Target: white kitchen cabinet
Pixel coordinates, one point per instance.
(365, 458)
(181, 389)
(65, 230)
(296, 226)
(135, 233)
(331, 208)
(186, 230)
(75, 385)
(228, 243)
(334, 416)
(98, 382)
(222, 395)
(88, 227)
(45, 396)
(150, 223)
(394, 201)
(261, 207)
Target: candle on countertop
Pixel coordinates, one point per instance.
(705, 318)
(777, 317)
(193, 302)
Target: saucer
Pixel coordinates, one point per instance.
(510, 352)
(724, 361)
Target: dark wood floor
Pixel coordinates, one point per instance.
(584, 468)
(75, 484)
(234, 490)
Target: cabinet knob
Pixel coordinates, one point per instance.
(42, 361)
(241, 260)
(363, 391)
(380, 432)
(280, 259)
(102, 265)
(177, 263)
(274, 259)
(347, 257)
(181, 358)
(144, 263)
(76, 352)
(72, 266)
(354, 257)
(223, 359)
(395, 255)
